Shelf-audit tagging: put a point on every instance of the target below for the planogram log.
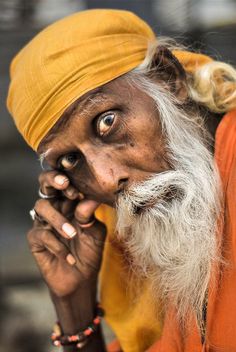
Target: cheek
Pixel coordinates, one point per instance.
(146, 150)
(86, 185)
(77, 179)
(95, 170)
(147, 157)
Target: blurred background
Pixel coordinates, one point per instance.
(26, 314)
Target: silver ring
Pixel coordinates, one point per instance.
(46, 196)
(34, 215)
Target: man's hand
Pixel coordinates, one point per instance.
(68, 255)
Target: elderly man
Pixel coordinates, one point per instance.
(127, 121)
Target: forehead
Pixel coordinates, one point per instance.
(119, 91)
(116, 90)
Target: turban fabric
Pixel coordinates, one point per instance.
(71, 57)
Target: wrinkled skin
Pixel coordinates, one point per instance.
(100, 167)
(106, 142)
(131, 150)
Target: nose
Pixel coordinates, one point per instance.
(109, 177)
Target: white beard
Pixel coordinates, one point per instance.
(173, 240)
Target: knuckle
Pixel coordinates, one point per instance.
(54, 215)
(44, 235)
(33, 237)
(61, 251)
(46, 176)
(82, 215)
(41, 204)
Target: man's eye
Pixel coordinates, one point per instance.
(68, 161)
(104, 123)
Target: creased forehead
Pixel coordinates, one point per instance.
(74, 55)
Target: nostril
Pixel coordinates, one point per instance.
(122, 184)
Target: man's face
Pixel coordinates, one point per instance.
(113, 141)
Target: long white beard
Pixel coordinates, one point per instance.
(173, 240)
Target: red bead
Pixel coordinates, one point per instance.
(96, 321)
(87, 332)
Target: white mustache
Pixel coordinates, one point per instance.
(165, 186)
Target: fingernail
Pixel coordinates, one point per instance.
(69, 229)
(60, 180)
(70, 259)
(70, 192)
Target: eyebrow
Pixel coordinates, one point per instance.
(82, 104)
(89, 100)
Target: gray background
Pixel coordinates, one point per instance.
(26, 314)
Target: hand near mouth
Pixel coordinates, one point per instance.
(66, 239)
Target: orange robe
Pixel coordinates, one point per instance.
(136, 322)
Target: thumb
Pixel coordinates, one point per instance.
(84, 213)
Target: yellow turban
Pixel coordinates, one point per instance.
(71, 57)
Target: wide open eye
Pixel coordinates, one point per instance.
(104, 123)
(68, 161)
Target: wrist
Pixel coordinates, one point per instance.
(95, 344)
(76, 311)
(80, 338)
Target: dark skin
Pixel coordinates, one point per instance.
(113, 139)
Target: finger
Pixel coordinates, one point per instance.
(59, 222)
(72, 193)
(83, 214)
(52, 181)
(85, 210)
(44, 244)
(67, 208)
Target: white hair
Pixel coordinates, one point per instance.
(212, 84)
(173, 240)
(42, 157)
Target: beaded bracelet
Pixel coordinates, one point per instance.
(82, 337)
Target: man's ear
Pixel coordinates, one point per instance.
(165, 67)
